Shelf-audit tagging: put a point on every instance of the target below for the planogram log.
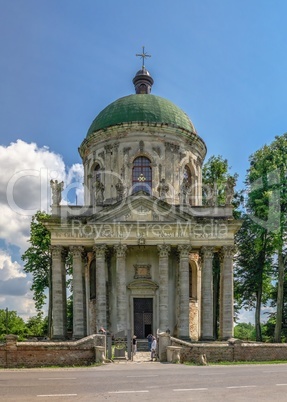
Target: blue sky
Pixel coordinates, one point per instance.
(223, 62)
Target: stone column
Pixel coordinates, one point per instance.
(207, 332)
(183, 326)
(59, 298)
(226, 293)
(164, 250)
(79, 293)
(101, 301)
(121, 287)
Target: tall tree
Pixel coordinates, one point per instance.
(253, 268)
(268, 202)
(215, 175)
(37, 260)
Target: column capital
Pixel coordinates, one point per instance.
(58, 251)
(207, 252)
(184, 250)
(228, 251)
(121, 249)
(77, 251)
(163, 250)
(100, 250)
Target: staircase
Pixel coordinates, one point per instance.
(142, 345)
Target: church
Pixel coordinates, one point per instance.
(143, 243)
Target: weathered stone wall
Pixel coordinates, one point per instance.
(37, 354)
(230, 351)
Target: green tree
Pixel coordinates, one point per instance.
(253, 268)
(215, 174)
(268, 202)
(37, 259)
(11, 323)
(244, 331)
(37, 326)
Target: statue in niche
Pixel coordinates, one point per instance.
(57, 189)
(184, 191)
(120, 190)
(99, 191)
(162, 189)
(229, 190)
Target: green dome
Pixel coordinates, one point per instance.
(141, 108)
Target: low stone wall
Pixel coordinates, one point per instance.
(85, 351)
(229, 351)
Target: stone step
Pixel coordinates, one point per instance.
(142, 345)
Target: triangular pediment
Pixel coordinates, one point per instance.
(140, 207)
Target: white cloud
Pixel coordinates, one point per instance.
(26, 171)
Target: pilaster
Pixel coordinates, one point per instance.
(164, 250)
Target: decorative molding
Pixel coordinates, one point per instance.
(157, 150)
(164, 250)
(142, 271)
(141, 145)
(172, 147)
(58, 252)
(77, 251)
(184, 250)
(207, 252)
(121, 250)
(100, 250)
(228, 251)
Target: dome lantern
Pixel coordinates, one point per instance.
(143, 80)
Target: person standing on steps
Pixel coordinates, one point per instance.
(134, 344)
(149, 339)
(153, 348)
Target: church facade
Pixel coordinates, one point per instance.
(142, 245)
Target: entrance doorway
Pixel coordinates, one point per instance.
(143, 315)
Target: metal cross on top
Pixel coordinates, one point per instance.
(143, 55)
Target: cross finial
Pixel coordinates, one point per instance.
(143, 55)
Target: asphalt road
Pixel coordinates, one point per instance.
(146, 382)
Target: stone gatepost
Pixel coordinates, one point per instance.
(11, 351)
(163, 342)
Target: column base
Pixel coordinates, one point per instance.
(207, 338)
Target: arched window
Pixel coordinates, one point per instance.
(142, 175)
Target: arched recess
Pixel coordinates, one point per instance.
(193, 280)
(92, 279)
(142, 175)
(96, 177)
(194, 298)
(188, 186)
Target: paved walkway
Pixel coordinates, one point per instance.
(142, 357)
(139, 357)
